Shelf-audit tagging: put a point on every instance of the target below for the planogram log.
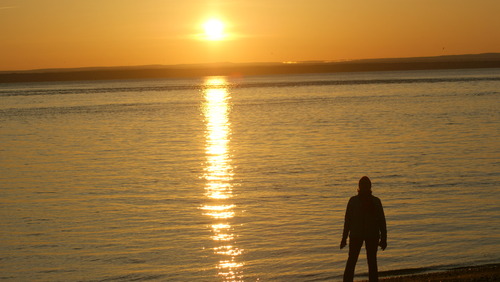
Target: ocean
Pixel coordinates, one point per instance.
(246, 178)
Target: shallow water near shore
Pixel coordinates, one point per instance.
(245, 178)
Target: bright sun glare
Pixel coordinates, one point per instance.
(214, 30)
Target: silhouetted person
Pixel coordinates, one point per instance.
(364, 222)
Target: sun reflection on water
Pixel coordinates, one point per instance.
(219, 178)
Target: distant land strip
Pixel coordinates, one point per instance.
(490, 60)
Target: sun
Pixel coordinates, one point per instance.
(214, 30)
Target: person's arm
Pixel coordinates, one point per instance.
(383, 228)
(347, 225)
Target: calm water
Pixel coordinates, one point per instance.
(224, 179)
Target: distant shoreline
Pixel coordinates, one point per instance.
(491, 60)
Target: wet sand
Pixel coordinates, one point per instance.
(489, 272)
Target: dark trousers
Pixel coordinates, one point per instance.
(371, 246)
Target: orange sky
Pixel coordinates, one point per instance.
(80, 33)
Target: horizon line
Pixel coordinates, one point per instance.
(208, 64)
(468, 61)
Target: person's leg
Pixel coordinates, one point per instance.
(371, 246)
(354, 248)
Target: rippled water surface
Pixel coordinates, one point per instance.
(245, 179)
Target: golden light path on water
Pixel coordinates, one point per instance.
(219, 177)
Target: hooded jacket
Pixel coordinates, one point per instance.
(364, 218)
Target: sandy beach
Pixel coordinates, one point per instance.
(488, 272)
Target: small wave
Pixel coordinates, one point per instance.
(364, 81)
(135, 277)
(56, 271)
(62, 91)
(274, 84)
(119, 107)
(489, 93)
